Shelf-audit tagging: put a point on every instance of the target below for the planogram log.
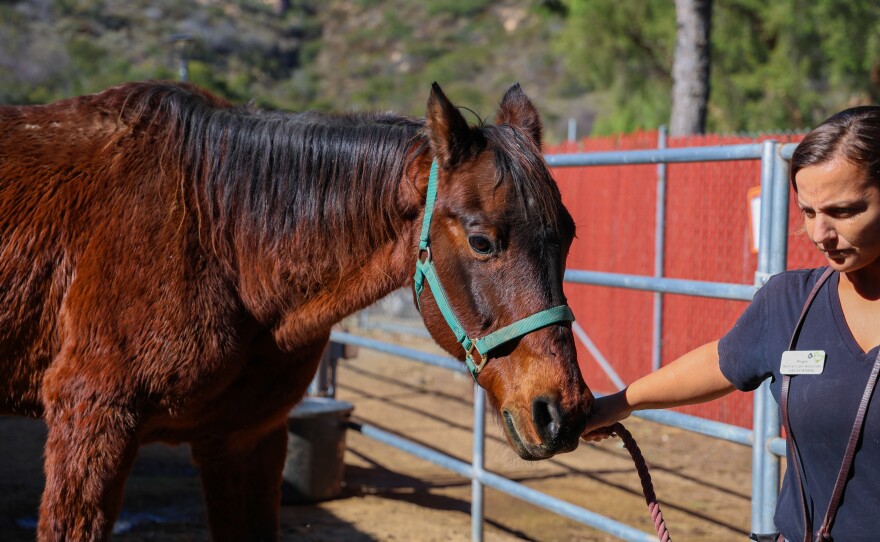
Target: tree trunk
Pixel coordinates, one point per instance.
(690, 67)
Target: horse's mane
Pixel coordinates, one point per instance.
(266, 177)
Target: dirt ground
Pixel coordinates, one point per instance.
(703, 484)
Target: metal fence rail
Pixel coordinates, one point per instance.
(764, 438)
(474, 470)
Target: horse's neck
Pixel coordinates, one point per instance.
(337, 256)
(316, 283)
(357, 287)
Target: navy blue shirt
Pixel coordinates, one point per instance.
(821, 408)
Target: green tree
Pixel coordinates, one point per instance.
(621, 52)
(786, 64)
(792, 63)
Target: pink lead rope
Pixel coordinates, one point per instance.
(647, 486)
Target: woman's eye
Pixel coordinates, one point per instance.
(480, 244)
(843, 213)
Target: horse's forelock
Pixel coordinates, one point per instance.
(519, 161)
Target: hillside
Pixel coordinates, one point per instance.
(339, 55)
(783, 65)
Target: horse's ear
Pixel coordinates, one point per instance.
(517, 111)
(449, 133)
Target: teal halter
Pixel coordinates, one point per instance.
(426, 270)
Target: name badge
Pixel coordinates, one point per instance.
(802, 362)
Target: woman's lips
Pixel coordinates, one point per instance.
(836, 254)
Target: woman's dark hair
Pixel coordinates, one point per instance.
(853, 134)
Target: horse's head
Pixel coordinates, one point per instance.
(490, 267)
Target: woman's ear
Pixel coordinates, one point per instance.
(448, 132)
(517, 111)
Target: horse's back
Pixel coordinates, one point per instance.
(53, 158)
(63, 181)
(105, 276)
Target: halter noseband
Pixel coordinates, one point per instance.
(426, 270)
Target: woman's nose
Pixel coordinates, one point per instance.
(823, 230)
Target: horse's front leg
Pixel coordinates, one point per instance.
(241, 477)
(89, 452)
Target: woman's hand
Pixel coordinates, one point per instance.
(693, 378)
(607, 410)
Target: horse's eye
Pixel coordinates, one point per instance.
(480, 244)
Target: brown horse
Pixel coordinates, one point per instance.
(171, 266)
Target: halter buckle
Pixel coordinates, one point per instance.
(477, 366)
(430, 254)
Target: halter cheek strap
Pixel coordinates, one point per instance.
(426, 271)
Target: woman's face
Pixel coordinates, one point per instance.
(841, 209)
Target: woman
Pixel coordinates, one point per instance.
(835, 172)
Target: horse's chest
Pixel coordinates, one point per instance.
(259, 388)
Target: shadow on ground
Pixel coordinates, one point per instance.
(163, 499)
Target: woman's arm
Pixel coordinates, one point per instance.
(693, 378)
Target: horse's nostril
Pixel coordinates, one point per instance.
(547, 418)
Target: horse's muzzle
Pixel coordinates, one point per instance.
(557, 431)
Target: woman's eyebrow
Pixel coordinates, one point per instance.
(843, 204)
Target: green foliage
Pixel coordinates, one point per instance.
(775, 65)
(457, 8)
(622, 51)
(606, 41)
(792, 63)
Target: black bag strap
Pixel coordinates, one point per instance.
(824, 532)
